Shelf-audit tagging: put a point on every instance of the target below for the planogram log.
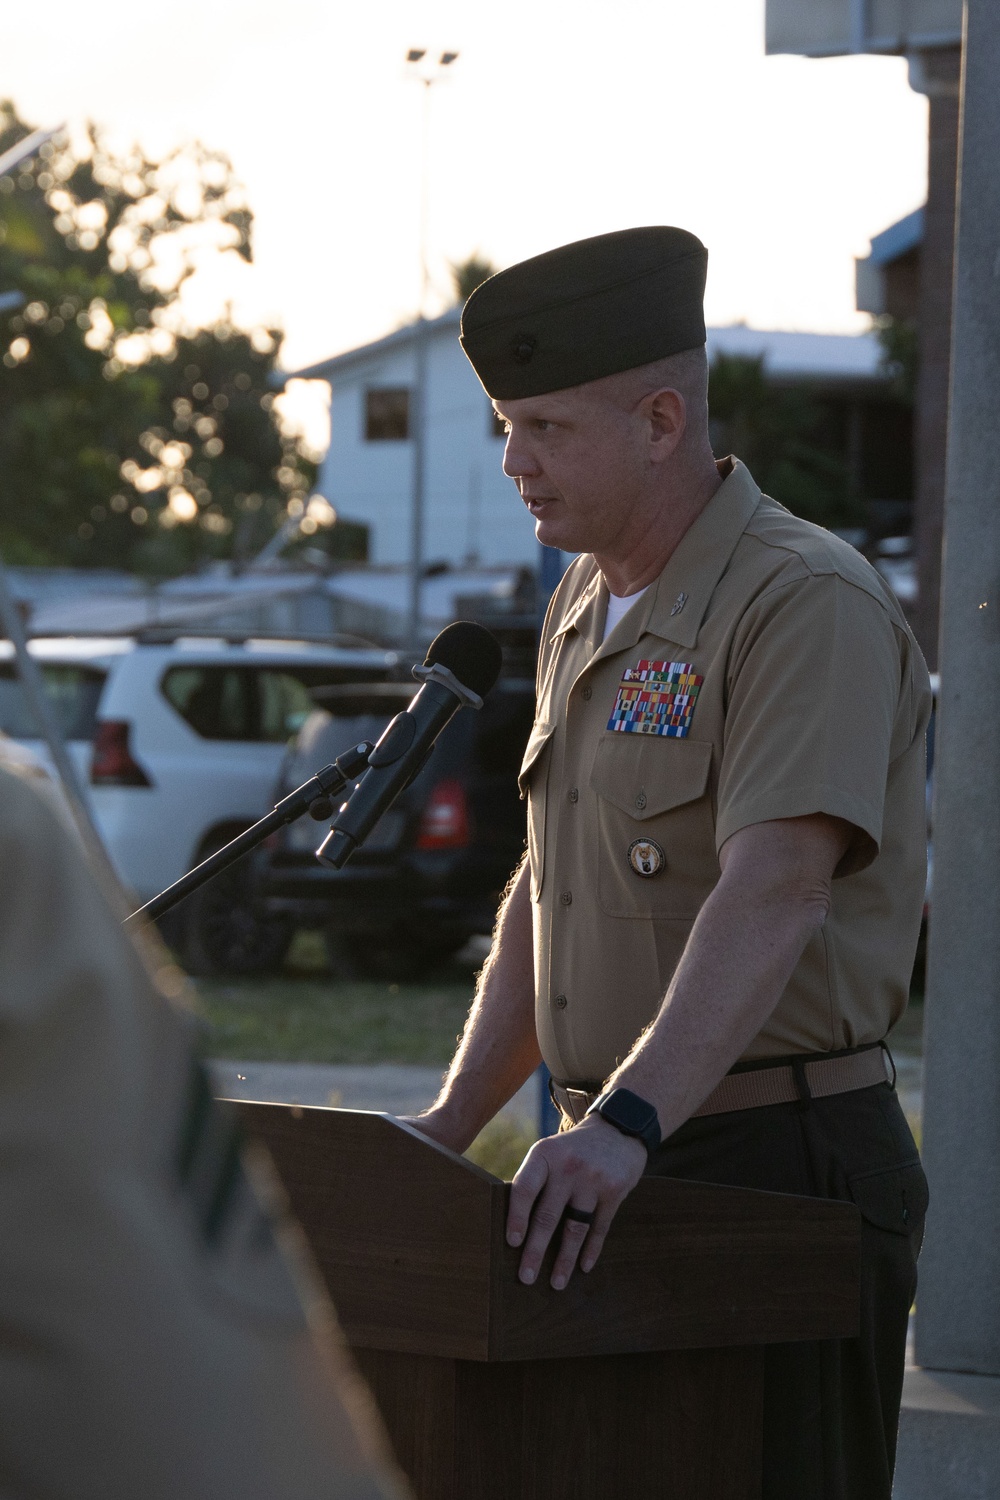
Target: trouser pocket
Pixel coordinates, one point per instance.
(893, 1198)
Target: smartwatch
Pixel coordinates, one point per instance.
(631, 1115)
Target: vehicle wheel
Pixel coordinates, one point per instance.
(399, 954)
(224, 932)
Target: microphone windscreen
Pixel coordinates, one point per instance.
(470, 652)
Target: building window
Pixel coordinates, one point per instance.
(498, 425)
(387, 414)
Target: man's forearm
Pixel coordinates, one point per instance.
(740, 956)
(499, 1047)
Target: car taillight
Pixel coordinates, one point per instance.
(444, 823)
(113, 763)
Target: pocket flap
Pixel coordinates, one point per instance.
(541, 733)
(647, 774)
(895, 1200)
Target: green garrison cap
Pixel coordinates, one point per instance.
(589, 309)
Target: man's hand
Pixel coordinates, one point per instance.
(592, 1168)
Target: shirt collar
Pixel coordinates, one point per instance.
(675, 604)
(588, 609)
(684, 589)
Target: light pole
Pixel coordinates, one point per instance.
(427, 70)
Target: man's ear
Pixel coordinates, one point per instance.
(666, 413)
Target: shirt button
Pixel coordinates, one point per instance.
(586, 694)
(640, 801)
(574, 795)
(566, 898)
(560, 1002)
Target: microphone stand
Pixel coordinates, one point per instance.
(313, 796)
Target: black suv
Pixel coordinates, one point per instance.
(433, 869)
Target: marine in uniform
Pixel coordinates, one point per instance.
(160, 1334)
(713, 933)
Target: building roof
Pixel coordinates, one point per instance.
(400, 338)
(901, 237)
(835, 27)
(802, 356)
(787, 355)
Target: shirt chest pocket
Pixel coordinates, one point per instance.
(532, 781)
(655, 826)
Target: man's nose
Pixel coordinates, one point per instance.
(518, 460)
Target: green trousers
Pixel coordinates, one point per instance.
(831, 1409)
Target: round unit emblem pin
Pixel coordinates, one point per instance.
(646, 857)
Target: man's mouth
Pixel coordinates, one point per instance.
(537, 503)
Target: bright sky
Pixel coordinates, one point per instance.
(557, 121)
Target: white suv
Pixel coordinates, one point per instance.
(180, 743)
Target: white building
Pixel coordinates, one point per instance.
(473, 513)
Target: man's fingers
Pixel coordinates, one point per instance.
(529, 1181)
(545, 1221)
(575, 1236)
(598, 1234)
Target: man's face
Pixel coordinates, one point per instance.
(579, 461)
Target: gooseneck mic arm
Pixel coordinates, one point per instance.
(313, 797)
(462, 664)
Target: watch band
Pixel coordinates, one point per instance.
(630, 1114)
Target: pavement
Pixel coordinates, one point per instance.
(910, 1082)
(393, 1088)
(401, 1090)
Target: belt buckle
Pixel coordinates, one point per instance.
(579, 1102)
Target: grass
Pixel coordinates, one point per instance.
(306, 1016)
(502, 1146)
(331, 1021)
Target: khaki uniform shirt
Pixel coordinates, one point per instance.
(768, 673)
(154, 1340)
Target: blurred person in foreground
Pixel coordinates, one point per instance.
(161, 1333)
(714, 929)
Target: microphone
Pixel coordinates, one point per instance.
(462, 664)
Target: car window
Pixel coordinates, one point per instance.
(217, 702)
(74, 692)
(285, 704)
(260, 703)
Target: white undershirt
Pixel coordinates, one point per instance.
(618, 606)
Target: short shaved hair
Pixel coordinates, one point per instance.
(686, 372)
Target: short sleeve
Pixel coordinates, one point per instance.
(814, 682)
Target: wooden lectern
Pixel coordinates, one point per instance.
(642, 1379)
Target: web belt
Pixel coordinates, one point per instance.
(787, 1083)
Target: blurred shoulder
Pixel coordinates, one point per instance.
(35, 823)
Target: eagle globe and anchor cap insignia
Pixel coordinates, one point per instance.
(646, 857)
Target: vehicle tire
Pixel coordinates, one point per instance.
(398, 955)
(224, 932)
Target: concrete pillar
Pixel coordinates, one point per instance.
(935, 73)
(958, 1303)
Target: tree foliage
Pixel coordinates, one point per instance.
(126, 438)
(900, 354)
(781, 434)
(467, 275)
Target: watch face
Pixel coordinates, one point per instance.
(628, 1111)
